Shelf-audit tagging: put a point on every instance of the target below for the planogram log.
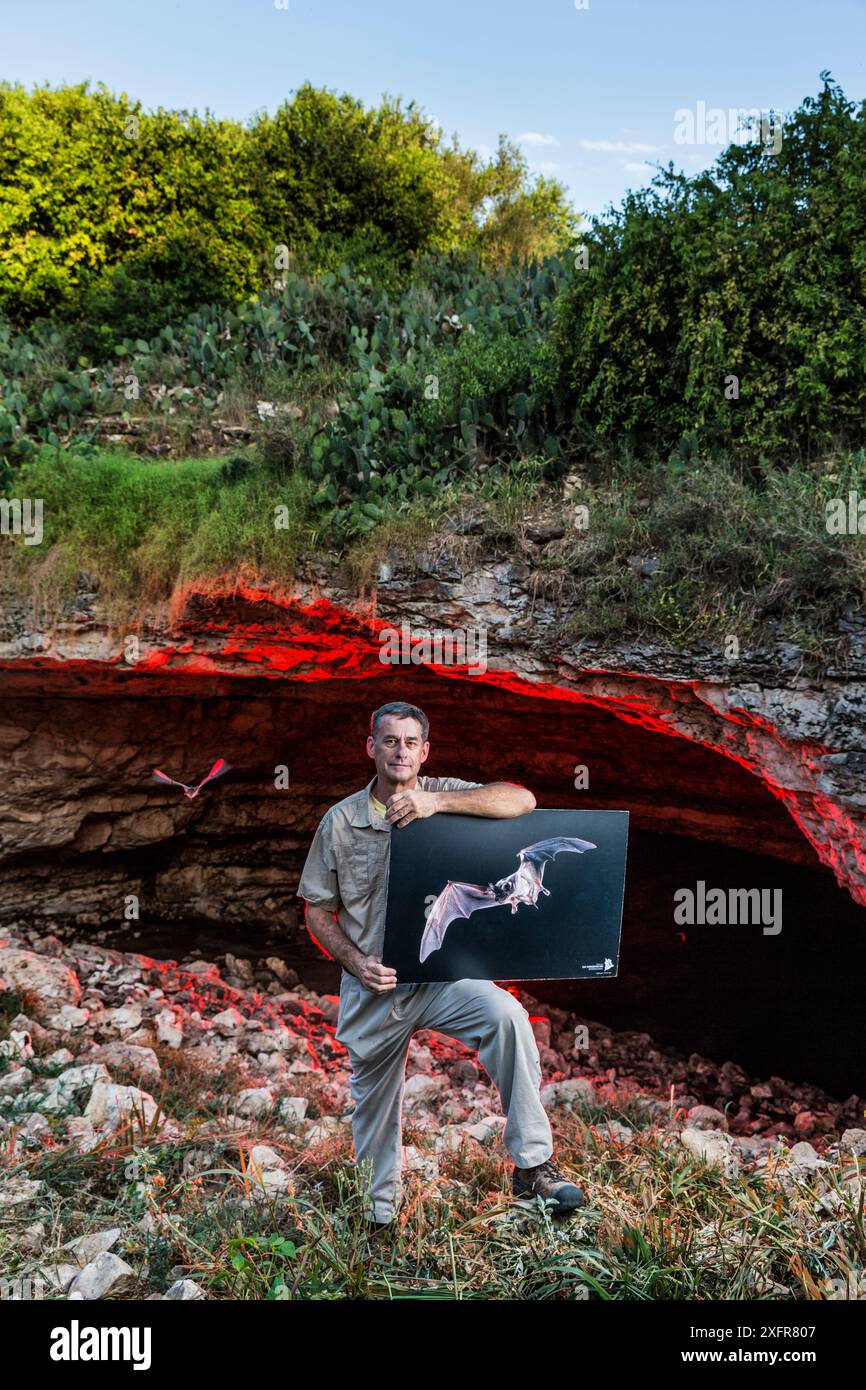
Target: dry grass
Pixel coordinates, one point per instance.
(657, 1224)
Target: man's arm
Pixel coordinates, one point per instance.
(497, 799)
(326, 931)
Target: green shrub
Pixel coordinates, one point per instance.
(755, 269)
(124, 218)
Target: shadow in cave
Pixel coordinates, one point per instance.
(789, 1005)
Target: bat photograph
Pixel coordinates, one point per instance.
(555, 916)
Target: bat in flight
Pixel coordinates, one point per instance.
(192, 791)
(523, 886)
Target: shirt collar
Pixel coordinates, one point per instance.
(360, 814)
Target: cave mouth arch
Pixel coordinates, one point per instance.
(221, 872)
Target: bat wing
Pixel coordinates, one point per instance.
(219, 768)
(161, 777)
(539, 854)
(455, 900)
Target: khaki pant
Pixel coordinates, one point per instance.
(375, 1030)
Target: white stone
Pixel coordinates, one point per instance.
(854, 1141)
(292, 1109)
(263, 1156)
(110, 1106)
(576, 1089)
(15, 1192)
(69, 1019)
(139, 1061)
(423, 1089)
(714, 1147)
(107, 1274)
(60, 1276)
(254, 1101)
(801, 1161)
(168, 1029)
(415, 1161)
(51, 982)
(613, 1129)
(228, 1023)
(318, 1131)
(185, 1290)
(15, 1081)
(121, 1022)
(84, 1249)
(73, 1083)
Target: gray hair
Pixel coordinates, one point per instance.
(400, 710)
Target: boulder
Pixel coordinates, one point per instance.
(111, 1106)
(185, 1291)
(292, 1109)
(84, 1249)
(254, 1101)
(141, 1062)
(424, 1088)
(576, 1089)
(853, 1141)
(106, 1275)
(707, 1117)
(50, 983)
(714, 1147)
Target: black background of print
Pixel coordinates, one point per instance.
(577, 926)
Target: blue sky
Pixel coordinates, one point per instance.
(591, 93)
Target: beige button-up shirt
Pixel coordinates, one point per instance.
(347, 866)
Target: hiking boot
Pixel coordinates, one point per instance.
(546, 1181)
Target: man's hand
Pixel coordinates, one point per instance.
(376, 976)
(406, 806)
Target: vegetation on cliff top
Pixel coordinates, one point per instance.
(697, 372)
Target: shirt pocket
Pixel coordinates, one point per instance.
(357, 871)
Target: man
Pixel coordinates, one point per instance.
(346, 874)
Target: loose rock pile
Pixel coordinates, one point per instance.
(80, 1065)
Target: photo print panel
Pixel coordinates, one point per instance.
(535, 897)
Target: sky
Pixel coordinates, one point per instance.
(590, 89)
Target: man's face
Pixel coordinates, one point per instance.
(398, 749)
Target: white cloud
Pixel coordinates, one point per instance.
(636, 167)
(535, 137)
(618, 146)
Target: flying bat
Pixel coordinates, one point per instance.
(523, 886)
(192, 791)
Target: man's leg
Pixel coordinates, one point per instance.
(375, 1033)
(376, 1086)
(495, 1024)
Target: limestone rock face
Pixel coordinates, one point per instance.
(747, 751)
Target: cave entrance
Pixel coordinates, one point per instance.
(84, 827)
